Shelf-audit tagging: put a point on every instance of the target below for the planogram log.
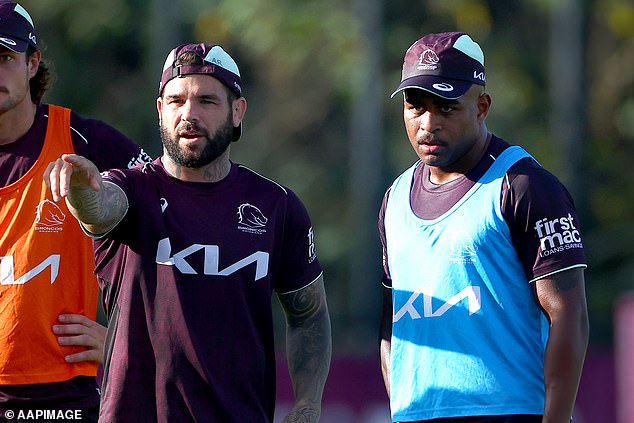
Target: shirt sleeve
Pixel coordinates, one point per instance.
(299, 263)
(543, 221)
(104, 145)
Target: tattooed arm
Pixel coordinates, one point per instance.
(98, 205)
(308, 347)
(562, 296)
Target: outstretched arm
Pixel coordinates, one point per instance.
(308, 347)
(563, 298)
(98, 205)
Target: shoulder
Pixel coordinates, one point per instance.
(105, 145)
(405, 179)
(531, 192)
(248, 173)
(528, 179)
(278, 197)
(87, 128)
(134, 175)
(256, 179)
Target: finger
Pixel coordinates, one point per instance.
(88, 171)
(76, 318)
(74, 160)
(53, 170)
(79, 341)
(88, 355)
(79, 324)
(97, 331)
(93, 352)
(65, 173)
(71, 329)
(47, 174)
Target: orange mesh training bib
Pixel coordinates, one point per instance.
(46, 269)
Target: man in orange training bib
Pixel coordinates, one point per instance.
(50, 344)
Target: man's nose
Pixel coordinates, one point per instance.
(428, 121)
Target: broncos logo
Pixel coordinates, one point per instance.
(49, 214)
(251, 216)
(428, 58)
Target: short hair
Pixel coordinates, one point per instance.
(41, 81)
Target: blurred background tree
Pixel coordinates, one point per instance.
(318, 74)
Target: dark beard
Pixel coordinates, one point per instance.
(215, 146)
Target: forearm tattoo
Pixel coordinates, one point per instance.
(98, 210)
(308, 341)
(304, 415)
(307, 312)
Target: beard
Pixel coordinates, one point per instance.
(215, 146)
(13, 97)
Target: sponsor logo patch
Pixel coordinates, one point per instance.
(557, 235)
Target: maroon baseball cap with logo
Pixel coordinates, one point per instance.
(444, 64)
(214, 61)
(17, 31)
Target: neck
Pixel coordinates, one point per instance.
(442, 175)
(15, 122)
(215, 171)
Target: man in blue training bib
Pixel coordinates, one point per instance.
(485, 316)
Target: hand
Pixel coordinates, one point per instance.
(302, 415)
(78, 330)
(70, 170)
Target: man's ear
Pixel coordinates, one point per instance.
(159, 108)
(484, 105)
(34, 63)
(238, 109)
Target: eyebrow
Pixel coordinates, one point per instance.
(212, 96)
(447, 101)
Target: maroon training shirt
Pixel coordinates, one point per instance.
(188, 278)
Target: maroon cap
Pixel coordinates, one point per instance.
(17, 31)
(215, 62)
(444, 64)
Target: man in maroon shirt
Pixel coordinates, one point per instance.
(28, 381)
(189, 250)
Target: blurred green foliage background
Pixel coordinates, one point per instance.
(318, 75)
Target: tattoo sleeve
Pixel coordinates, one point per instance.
(309, 347)
(98, 211)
